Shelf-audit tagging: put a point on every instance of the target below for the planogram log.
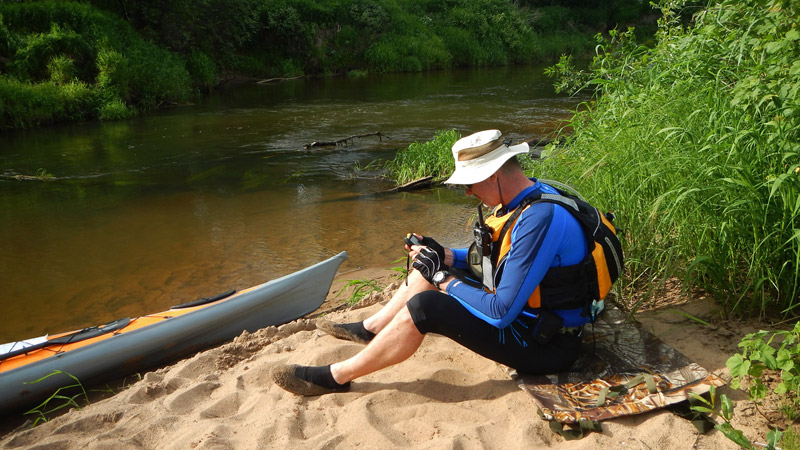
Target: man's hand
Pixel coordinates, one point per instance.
(416, 239)
(427, 262)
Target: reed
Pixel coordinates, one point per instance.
(694, 144)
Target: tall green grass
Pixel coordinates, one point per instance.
(422, 159)
(694, 143)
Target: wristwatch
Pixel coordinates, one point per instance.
(439, 277)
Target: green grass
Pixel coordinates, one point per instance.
(60, 399)
(421, 159)
(360, 289)
(694, 144)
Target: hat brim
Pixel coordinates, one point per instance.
(479, 169)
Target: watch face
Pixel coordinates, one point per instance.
(438, 277)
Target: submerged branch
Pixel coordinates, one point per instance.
(342, 141)
(272, 80)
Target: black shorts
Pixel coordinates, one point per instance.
(437, 312)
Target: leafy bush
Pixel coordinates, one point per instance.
(724, 410)
(114, 109)
(71, 61)
(114, 76)
(25, 105)
(400, 53)
(61, 69)
(32, 59)
(776, 351)
(762, 352)
(202, 70)
(215, 27)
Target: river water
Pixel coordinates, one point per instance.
(188, 202)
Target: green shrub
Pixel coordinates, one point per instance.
(8, 40)
(24, 105)
(32, 59)
(401, 53)
(61, 69)
(114, 109)
(77, 62)
(202, 70)
(462, 45)
(354, 74)
(114, 74)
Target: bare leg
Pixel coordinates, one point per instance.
(416, 284)
(395, 343)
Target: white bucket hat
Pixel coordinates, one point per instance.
(479, 155)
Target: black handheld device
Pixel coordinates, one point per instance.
(411, 239)
(482, 235)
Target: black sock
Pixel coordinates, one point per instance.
(357, 329)
(319, 375)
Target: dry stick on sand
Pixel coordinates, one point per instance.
(342, 141)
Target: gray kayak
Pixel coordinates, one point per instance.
(126, 346)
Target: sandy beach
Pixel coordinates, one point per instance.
(443, 397)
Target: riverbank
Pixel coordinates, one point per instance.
(75, 61)
(442, 397)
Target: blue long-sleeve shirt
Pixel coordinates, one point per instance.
(545, 235)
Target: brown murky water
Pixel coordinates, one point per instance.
(186, 203)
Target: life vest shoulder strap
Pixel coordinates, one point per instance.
(562, 200)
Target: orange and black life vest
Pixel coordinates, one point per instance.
(562, 288)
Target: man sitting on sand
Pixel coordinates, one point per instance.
(499, 316)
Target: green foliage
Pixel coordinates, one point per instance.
(360, 290)
(202, 70)
(694, 144)
(761, 351)
(401, 271)
(149, 53)
(114, 109)
(354, 74)
(214, 27)
(725, 411)
(61, 69)
(403, 53)
(59, 400)
(70, 61)
(790, 439)
(27, 104)
(38, 51)
(397, 35)
(432, 158)
(567, 77)
(113, 78)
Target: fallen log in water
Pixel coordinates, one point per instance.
(342, 141)
(272, 80)
(419, 183)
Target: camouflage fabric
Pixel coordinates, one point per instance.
(619, 352)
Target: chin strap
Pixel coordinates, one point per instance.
(499, 191)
